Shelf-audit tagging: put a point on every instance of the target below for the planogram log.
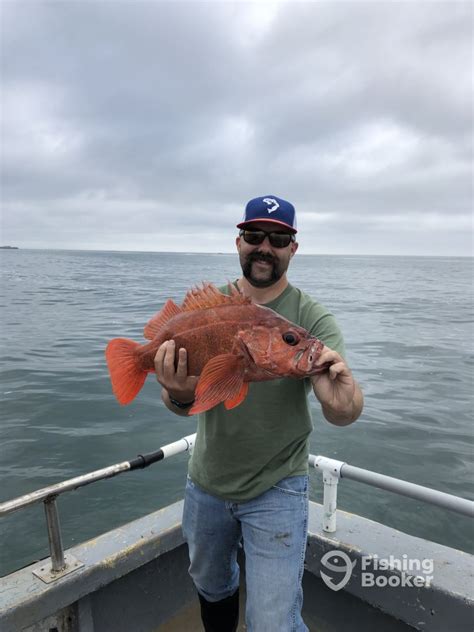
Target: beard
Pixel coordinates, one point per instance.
(275, 270)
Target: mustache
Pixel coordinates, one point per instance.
(260, 256)
(275, 270)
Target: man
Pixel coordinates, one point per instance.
(248, 475)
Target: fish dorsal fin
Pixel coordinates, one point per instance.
(209, 296)
(160, 319)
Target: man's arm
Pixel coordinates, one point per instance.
(176, 382)
(338, 393)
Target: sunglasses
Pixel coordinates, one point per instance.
(277, 240)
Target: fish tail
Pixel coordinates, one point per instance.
(125, 373)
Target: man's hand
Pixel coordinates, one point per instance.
(178, 384)
(339, 394)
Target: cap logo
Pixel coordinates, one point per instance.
(275, 205)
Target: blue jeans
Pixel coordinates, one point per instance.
(273, 528)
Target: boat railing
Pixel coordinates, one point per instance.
(332, 470)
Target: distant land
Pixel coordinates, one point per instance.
(9, 247)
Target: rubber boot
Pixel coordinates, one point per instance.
(220, 616)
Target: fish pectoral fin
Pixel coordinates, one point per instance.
(241, 395)
(221, 379)
(152, 328)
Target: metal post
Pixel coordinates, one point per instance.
(54, 535)
(331, 473)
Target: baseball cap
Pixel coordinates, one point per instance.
(269, 209)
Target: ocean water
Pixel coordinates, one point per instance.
(408, 326)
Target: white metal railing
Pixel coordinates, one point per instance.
(334, 470)
(331, 469)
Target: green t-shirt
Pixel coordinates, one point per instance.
(240, 453)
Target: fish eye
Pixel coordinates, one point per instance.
(290, 338)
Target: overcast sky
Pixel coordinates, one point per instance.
(148, 125)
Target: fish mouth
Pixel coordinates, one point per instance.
(305, 358)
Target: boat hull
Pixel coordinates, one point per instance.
(135, 578)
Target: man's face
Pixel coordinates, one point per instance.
(263, 265)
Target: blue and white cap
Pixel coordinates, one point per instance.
(269, 209)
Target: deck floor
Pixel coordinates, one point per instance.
(323, 611)
(189, 620)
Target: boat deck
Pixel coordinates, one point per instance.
(188, 618)
(323, 611)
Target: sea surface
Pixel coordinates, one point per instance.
(408, 326)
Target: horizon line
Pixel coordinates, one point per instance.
(200, 252)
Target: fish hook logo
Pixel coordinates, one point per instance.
(269, 201)
(346, 569)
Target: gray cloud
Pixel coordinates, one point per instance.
(149, 125)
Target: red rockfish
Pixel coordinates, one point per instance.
(230, 341)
